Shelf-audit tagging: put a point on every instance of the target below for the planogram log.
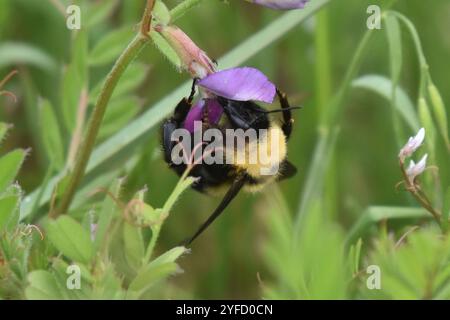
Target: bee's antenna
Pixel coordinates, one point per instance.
(281, 110)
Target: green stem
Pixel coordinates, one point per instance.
(331, 117)
(95, 121)
(420, 196)
(182, 8)
(323, 69)
(182, 185)
(323, 94)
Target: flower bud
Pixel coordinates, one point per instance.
(416, 169)
(193, 59)
(412, 145)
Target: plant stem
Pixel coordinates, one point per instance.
(182, 8)
(95, 121)
(182, 185)
(419, 195)
(7, 78)
(147, 18)
(323, 93)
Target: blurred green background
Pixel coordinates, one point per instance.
(226, 260)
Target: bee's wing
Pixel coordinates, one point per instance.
(235, 187)
(287, 170)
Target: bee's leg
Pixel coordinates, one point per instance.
(191, 96)
(287, 115)
(181, 111)
(232, 192)
(170, 125)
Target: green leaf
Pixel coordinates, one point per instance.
(108, 211)
(51, 135)
(413, 269)
(9, 213)
(10, 165)
(99, 11)
(355, 256)
(75, 81)
(395, 47)
(131, 79)
(440, 114)
(4, 127)
(446, 209)
(158, 269)
(426, 121)
(72, 85)
(80, 55)
(300, 263)
(42, 286)
(14, 53)
(120, 111)
(152, 274)
(134, 245)
(165, 48)
(68, 236)
(383, 86)
(161, 13)
(170, 256)
(375, 214)
(182, 186)
(110, 46)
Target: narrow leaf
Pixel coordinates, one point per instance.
(51, 135)
(110, 46)
(10, 165)
(383, 86)
(71, 239)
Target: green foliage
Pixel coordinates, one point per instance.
(12, 53)
(10, 164)
(110, 46)
(69, 237)
(417, 267)
(51, 135)
(310, 266)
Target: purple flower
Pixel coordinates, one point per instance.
(281, 4)
(196, 113)
(241, 84)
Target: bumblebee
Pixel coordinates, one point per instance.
(237, 175)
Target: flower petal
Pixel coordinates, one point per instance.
(242, 84)
(215, 111)
(195, 114)
(282, 4)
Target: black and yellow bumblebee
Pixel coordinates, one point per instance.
(213, 178)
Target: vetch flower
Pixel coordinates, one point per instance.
(281, 4)
(412, 145)
(240, 84)
(416, 169)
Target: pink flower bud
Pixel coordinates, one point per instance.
(193, 59)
